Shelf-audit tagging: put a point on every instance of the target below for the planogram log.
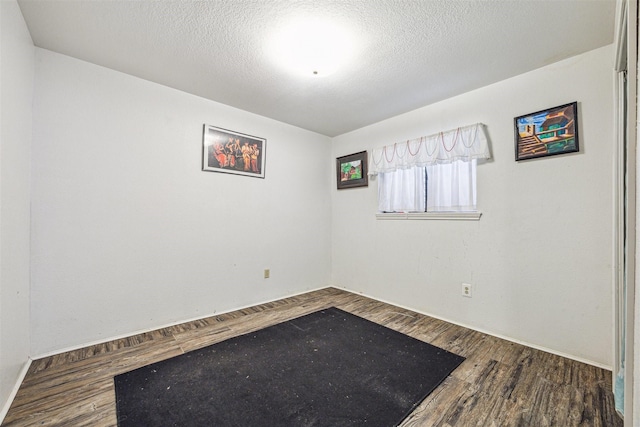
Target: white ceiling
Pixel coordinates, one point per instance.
(408, 53)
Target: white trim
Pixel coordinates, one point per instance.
(450, 216)
(632, 374)
(618, 270)
(482, 331)
(14, 391)
(620, 36)
(142, 331)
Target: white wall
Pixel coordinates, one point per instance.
(128, 233)
(539, 259)
(16, 87)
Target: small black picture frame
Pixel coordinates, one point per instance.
(351, 171)
(547, 132)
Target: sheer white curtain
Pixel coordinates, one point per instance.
(404, 190)
(447, 159)
(464, 143)
(448, 187)
(451, 187)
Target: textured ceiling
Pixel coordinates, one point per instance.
(408, 54)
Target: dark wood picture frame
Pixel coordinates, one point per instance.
(547, 132)
(351, 171)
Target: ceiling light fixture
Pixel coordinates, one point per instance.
(312, 47)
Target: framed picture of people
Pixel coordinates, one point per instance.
(228, 151)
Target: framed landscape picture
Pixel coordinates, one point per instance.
(232, 152)
(547, 132)
(351, 170)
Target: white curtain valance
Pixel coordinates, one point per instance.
(463, 143)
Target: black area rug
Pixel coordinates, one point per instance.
(328, 368)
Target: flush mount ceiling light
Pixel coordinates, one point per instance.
(312, 47)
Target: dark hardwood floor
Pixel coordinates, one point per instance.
(499, 384)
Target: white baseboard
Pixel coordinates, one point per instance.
(142, 331)
(16, 387)
(514, 340)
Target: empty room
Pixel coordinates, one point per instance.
(318, 213)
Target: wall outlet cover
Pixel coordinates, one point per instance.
(466, 290)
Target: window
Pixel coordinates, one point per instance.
(403, 190)
(430, 174)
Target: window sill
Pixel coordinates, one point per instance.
(450, 216)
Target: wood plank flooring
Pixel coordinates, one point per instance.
(499, 384)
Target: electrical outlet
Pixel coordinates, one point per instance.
(466, 290)
(267, 273)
